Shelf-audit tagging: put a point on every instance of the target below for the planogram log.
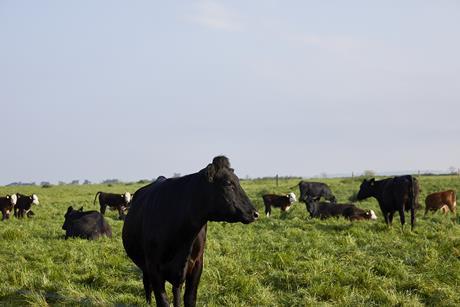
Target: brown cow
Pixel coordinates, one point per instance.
(441, 200)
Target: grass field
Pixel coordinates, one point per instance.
(285, 260)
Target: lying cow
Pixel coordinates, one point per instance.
(445, 201)
(313, 191)
(283, 202)
(164, 233)
(396, 194)
(24, 204)
(325, 210)
(7, 204)
(118, 202)
(88, 225)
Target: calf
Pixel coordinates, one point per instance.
(88, 225)
(7, 204)
(325, 210)
(164, 232)
(283, 202)
(118, 202)
(393, 194)
(446, 200)
(314, 191)
(24, 205)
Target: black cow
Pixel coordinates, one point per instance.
(88, 225)
(165, 229)
(118, 202)
(314, 191)
(393, 194)
(24, 204)
(325, 210)
(7, 204)
(283, 202)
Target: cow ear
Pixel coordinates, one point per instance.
(81, 209)
(372, 181)
(70, 209)
(210, 172)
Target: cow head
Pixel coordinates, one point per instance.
(35, 199)
(366, 189)
(127, 197)
(370, 214)
(67, 216)
(227, 198)
(291, 197)
(13, 199)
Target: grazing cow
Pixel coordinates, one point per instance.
(325, 210)
(24, 205)
(314, 191)
(88, 225)
(441, 200)
(7, 204)
(283, 202)
(118, 202)
(393, 194)
(164, 232)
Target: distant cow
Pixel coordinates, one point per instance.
(24, 204)
(118, 202)
(88, 225)
(283, 202)
(325, 210)
(164, 232)
(393, 194)
(7, 204)
(314, 191)
(441, 200)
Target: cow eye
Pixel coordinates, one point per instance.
(227, 183)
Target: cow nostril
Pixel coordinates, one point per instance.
(256, 214)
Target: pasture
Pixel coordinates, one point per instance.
(285, 260)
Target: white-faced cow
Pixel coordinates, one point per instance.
(24, 204)
(88, 225)
(283, 202)
(120, 202)
(441, 200)
(314, 191)
(164, 232)
(7, 204)
(397, 194)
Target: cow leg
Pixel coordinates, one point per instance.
(147, 286)
(268, 210)
(120, 213)
(390, 218)
(103, 206)
(158, 287)
(191, 284)
(176, 295)
(402, 218)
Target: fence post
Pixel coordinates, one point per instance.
(276, 180)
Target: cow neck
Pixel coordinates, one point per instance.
(377, 190)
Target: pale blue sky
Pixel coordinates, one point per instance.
(135, 89)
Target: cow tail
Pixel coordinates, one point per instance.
(412, 199)
(95, 197)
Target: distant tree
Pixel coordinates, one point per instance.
(75, 182)
(453, 170)
(45, 184)
(61, 183)
(323, 175)
(369, 173)
(86, 181)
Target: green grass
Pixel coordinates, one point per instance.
(285, 260)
